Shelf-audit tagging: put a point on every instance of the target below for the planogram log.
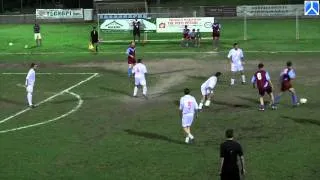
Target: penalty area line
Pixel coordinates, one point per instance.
(80, 102)
(50, 98)
(13, 73)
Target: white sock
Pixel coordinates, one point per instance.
(144, 90)
(29, 97)
(135, 91)
(232, 81)
(207, 103)
(200, 105)
(190, 136)
(187, 140)
(243, 78)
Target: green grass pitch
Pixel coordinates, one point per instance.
(88, 126)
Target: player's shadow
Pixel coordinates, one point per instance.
(150, 135)
(116, 91)
(303, 120)
(231, 105)
(9, 101)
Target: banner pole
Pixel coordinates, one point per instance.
(297, 25)
(245, 26)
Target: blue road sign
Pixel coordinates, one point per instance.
(311, 8)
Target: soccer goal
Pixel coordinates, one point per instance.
(115, 17)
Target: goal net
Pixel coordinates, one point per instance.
(115, 19)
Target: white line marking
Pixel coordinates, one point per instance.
(49, 99)
(162, 52)
(12, 73)
(80, 102)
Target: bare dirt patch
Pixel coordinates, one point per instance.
(171, 72)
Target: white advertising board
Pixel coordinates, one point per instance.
(126, 25)
(59, 13)
(177, 24)
(270, 10)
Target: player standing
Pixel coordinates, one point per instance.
(286, 77)
(192, 36)
(207, 90)
(136, 29)
(37, 35)
(94, 38)
(262, 79)
(30, 81)
(140, 71)
(188, 110)
(185, 36)
(216, 28)
(198, 38)
(237, 61)
(131, 52)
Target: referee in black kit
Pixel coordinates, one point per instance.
(229, 152)
(136, 29)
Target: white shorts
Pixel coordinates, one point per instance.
(205, 91)
(29, 89)
(37, 36)
(140, 81)
(187, 120)
(236, 67)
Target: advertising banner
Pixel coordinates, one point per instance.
(59, 13)
(123, 16)
(177, 24)
(220, 11)
(126, 25)
(270, 10)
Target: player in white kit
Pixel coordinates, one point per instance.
(188, 110)
(30, 81)
(237, 60)
(140, 70)
(207, 90)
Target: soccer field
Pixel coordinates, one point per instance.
(88, 127)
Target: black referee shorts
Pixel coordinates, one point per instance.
(230, 176)
(136, 33)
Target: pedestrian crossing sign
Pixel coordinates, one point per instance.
(311, 8)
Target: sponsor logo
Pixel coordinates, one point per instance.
(113, 25)
(162, 25)
(207, 24)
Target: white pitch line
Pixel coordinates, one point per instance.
(80, 102)
(162, 52)
(49, 99)
(12, 73)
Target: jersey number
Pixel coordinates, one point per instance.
(259, 77)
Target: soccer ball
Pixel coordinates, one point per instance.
(10, 44)
(26, 46)
(303, 100)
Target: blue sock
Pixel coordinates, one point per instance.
(276, 101)
(129, 72)
(294, 99)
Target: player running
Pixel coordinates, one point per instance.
(286, 77)
(140, 71)
(185, 36)
(216, 28)
(207, 90)
(30, 81)
(131, 52)
(262, 80)
(188, 110)
(237, 61)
